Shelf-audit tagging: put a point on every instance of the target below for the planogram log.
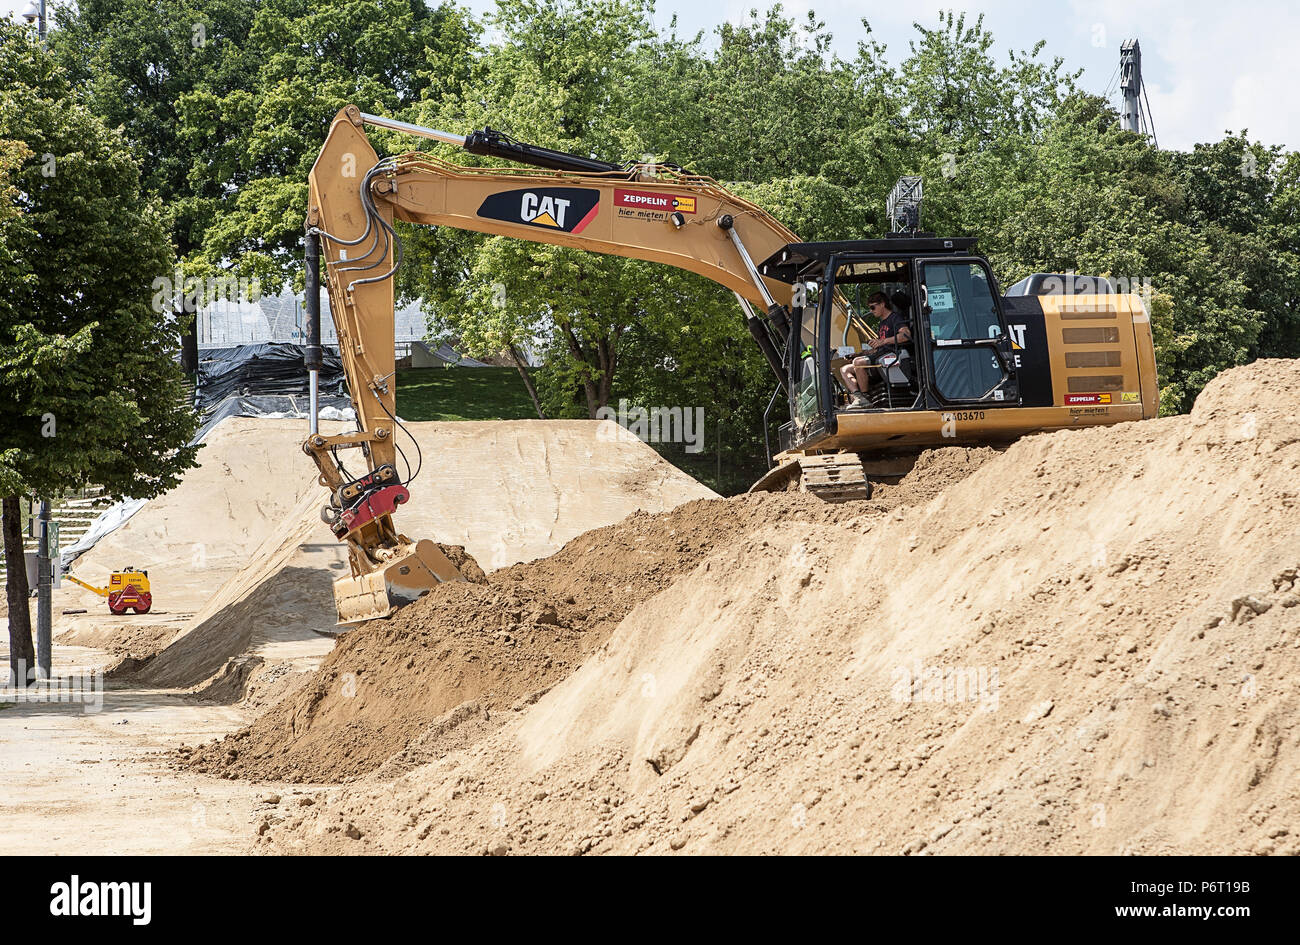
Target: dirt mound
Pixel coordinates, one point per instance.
(1086, 646)
(930, 474)
(124, 640)
(251, 473)
(493, 644)
(530, 626)
(506, 490)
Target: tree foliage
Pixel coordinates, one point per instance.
(306, 61)
(133, 62)
(87, 373)
(86, 364)
(1012, 150)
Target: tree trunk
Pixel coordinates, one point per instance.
(189, 339)
(190, 350)
(22, 654)
(601, 363)
(522, 366)
(588, 386)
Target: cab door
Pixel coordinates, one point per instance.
(969, 359)
(809, 376)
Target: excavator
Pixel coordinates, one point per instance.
(979, 368)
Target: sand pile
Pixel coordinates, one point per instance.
(492, 644)
(478, 649)
(508, 490)
(191, 540)
(1088, 645)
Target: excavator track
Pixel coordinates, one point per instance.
(835, 477)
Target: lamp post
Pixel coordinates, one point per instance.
(35, 12)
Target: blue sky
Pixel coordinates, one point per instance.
(1209, 66)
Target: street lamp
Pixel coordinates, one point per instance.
(35, 13)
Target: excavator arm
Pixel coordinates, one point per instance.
(642, 211)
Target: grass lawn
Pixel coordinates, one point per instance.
(487, 393)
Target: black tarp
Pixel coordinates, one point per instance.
(262, 369)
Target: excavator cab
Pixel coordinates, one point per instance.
(961, 351)
(974, 356)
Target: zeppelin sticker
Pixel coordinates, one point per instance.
(650, 205)
(1071, 399)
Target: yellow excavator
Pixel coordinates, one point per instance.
(979, 367)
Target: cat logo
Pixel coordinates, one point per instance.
(567, 209)
(544, 211)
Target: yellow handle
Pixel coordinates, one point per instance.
(101, 591)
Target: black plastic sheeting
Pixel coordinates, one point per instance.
(262, 369)
(292, 406)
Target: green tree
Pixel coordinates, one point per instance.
(86, 362)
(310, 59)
(1241, 197)
(1080, 194)
(564, 76)
(132, 63)
(768, 112)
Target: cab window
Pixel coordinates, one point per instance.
(961, 307)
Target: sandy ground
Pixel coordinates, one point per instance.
(84, 776)
(241, 568)
(1085, 644)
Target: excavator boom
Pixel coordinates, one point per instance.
(651, 212)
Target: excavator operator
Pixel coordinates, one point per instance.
(892, 331)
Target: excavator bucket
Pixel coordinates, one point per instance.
(403, 580)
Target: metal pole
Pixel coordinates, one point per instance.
(44, 579)
(728, 226)
(1130, 85)
(446, 137)
(312, 352)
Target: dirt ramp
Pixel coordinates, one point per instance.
(272, 607)
(511, 490)
(1086, 646)
(251, 473)
(515, 490)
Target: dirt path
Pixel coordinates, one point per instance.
(86, 780)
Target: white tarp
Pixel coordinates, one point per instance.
(271, 407)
